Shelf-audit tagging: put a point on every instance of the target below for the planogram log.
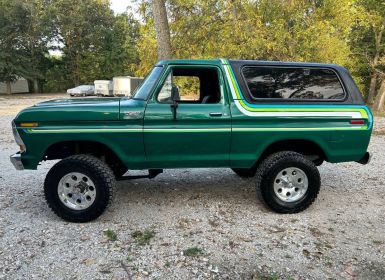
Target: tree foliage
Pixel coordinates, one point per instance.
(342, 32)
(25, 32)
(96, 44)
(93, 43)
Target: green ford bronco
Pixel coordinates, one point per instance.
(273, 121)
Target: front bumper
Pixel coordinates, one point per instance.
(365, 159)
(16, 161)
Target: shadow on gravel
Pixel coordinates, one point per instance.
(195, 187)
(374, 271)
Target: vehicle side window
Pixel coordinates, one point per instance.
(164, 95)
(189, 87)
(194, 85)
(293, 83)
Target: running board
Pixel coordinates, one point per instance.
(152, 173)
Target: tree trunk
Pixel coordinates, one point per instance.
(373, 81)
(36, 88)
(162, 29)
(380, 98)
(372, 89)
(9, 89)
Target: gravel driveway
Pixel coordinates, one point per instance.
(194, 224)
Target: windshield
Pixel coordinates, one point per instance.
(145, 88)
(83, 87)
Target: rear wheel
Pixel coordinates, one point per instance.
(287, 182)
(244, 172)
(79, 188)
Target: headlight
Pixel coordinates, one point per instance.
(17, 137)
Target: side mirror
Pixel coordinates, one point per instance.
(175, 93)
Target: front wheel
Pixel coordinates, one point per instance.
(287, 182)
(79, 188)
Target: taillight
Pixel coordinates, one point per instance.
(357, 122)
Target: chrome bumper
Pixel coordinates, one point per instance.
(16, 161)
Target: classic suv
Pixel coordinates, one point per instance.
(272, 120)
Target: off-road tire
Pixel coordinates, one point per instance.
(318, 161)
(100, 174)
(244, 172)
(118, 169)
(269, 169)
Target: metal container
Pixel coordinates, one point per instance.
(125, 85)
(103, 87)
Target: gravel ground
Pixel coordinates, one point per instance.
(194, 224)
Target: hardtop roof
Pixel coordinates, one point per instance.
(244, 62)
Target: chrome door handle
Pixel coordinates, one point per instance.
(216, 114)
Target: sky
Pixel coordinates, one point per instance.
(119, 6)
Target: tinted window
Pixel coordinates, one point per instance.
(145, 88)
(292, 83)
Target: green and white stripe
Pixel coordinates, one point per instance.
(286, 112)
(189, 130)
(128, 130)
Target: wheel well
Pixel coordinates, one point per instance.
(305, 147)
(65, 149)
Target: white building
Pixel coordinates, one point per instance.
(19, 86)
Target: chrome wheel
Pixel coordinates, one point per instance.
(291, 184)
(76, 191)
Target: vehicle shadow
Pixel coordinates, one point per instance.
(195, 187)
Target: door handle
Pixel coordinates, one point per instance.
(215, 114)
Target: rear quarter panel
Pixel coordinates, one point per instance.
(256, 126)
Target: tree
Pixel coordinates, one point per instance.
(118, 54)
(265, 29)
(82, 29)
(368, 42)
(379, 104)
(12, 53)
(95, 43)
(162, 29)
(25, 33)
(37, 36)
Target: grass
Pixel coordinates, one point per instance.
(328, 261)
(267, 276)
(143, 238)
(111, 235)
(192, 252)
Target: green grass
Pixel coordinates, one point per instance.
(143, 238)
(111, 235)
(192, 252)
(267, 276)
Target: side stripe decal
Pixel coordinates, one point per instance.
(211, 130)
(281, 110)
